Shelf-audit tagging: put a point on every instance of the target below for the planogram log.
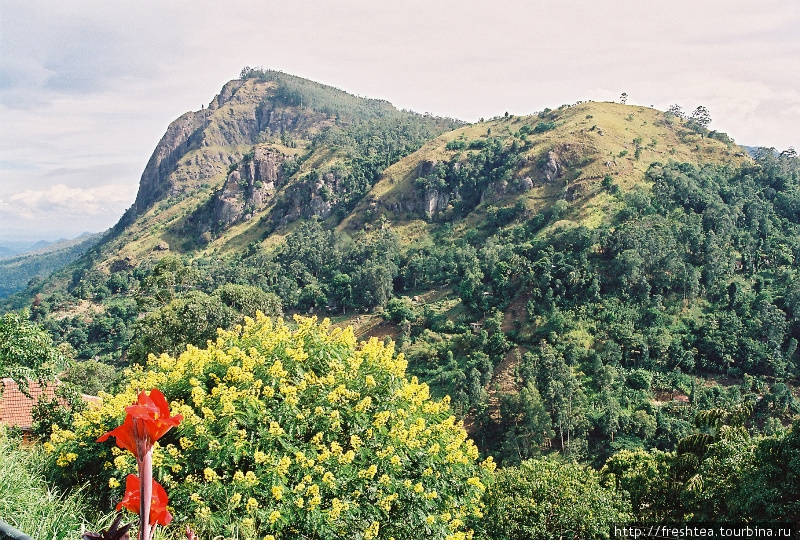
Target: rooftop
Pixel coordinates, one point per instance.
(16, 409)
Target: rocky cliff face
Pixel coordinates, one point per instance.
(249, 187)
(213, 132)
(234, 130)
(230, 162)
(172, 146)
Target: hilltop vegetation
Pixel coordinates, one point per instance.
(598, 283)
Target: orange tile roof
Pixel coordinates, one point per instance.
(16, 408)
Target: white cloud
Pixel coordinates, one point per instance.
(70, 209)
(83, 87)
(69, 200)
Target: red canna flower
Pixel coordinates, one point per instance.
(158, 502)
(153, 410)
(146, 422)
(124, 434)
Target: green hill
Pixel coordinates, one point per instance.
(18, 270)
(585, 281)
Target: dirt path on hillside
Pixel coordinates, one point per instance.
(503, 382)
(517, 311)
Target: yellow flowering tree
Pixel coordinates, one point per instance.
(292, 433)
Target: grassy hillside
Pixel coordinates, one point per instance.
(591, 282)
(591, 141)
(316, 129)
(16, 272)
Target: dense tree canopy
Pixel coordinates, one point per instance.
(27, 351)
(543, 499)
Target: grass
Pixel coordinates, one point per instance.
(30, 505)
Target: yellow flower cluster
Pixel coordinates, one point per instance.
(286, 428)
(65, 459)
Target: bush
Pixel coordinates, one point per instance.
(545, 498)
(191, 319)
(457, 144)
(291, 434)
(249, 300)
(90, 376)
(400, 309)
(541, 127)
(478, 144)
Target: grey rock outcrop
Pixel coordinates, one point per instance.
(172, 146)
(206, 128)
(248, 188)
(552, 169)
(435, 201)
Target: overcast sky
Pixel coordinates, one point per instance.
(88, 88)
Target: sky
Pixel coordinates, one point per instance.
(87, 88)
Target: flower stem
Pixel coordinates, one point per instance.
(146, 494)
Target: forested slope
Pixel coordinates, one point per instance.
(610, 284)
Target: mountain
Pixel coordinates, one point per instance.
(269, 145)
(272, 148)
(9, 248)
(40, 260)
(238, 185)
(6, 251)
(582, 280)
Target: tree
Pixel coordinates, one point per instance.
(91, 376)
(527, 426)
(548, 498)
(292, 433)
(400, 309)
(342, 291)
(27, 352)
(192, 319)
(700, 118)
(676, 111)
(647, 479)
(563, 397)
(771, 490)
(313, 247)
(248, 300)
(623, 98)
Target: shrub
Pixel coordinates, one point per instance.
(478, 144)
(457, 144)
(400, 309)
(545, 498)
(291, 434)
(541, 127)
(249, 300)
